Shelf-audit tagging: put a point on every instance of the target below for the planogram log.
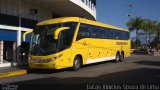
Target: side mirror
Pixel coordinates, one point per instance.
(27, 32)
(56, 33)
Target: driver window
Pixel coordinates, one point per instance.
(83, 32)
(64, 39)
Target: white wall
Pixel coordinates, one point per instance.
(86, 5)
(10, 7)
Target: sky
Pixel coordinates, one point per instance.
(115, 12)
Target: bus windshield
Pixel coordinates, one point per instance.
(43, 42)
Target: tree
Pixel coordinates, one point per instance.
(149, 27)
(158, 35)
(135, 24)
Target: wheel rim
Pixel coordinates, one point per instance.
(121, 57)
(77, 63)
(117, 57)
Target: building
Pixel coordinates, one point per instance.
(17, 16)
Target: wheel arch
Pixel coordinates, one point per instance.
(122, 52)
(118, 52)
(81, 58)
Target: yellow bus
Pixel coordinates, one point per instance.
(73, 42)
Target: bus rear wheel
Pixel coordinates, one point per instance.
(76, 63)
(122, 57)
(117, 59)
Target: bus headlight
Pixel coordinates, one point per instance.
(56, 57)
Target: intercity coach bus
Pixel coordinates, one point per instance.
(73, 42)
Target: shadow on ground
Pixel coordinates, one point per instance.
(152, 63)
(145, 76)
(51, 71)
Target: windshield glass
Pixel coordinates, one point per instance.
(43, 42)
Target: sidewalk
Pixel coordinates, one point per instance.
(156, 54)
(4, 63)
(11, 71)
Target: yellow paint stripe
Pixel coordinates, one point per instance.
(14, 73)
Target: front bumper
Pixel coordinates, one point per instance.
(42, 65)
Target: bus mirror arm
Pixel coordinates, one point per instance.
(56, 33)
(27, 32)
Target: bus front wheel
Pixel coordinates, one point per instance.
(76, 63)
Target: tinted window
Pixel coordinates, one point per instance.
(116, 35)
(107, 33)
(123, 35)
(95, 32)
(83, 32)
(102, 33)
(66, 36)
(113, 34)
(99, 32)
(126, 35)
(89, 31)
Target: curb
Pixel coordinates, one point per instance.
(14, 73)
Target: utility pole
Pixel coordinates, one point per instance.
(19, 34)
(130, 6)
(129, 11)
(17, 45)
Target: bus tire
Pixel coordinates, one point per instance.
(122, 57)
(76, 63)
(117, 59)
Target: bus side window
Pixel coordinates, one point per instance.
(113, 34)
(83, 32)
(67, 36)
(123, 35)
(102, 33)
(127, 35)
(108, 33)
(95, 32)
(118, 35)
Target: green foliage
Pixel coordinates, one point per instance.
(146, 25)
(135, 23)
(149, 25)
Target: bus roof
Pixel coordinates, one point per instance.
(78, 19)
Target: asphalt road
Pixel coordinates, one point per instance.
(137, 72)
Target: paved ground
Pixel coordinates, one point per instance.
(137, 72)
